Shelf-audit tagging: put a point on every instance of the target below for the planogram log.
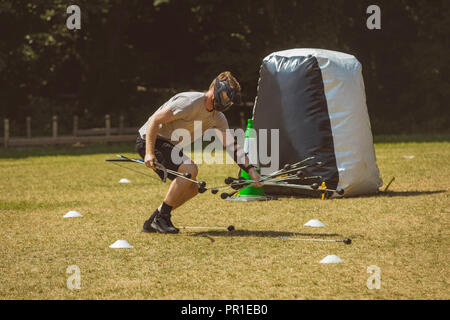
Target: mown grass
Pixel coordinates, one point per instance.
(405, 232)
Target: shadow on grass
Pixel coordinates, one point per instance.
(63, 150)
(402, 193)
(379, 194)
(402, 138)
(264, 234)
(274, 234)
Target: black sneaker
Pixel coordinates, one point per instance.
(147, 227)
(169, 222)
(162, 224)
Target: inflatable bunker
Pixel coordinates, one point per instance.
(316, 98)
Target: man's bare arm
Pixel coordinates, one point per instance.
(159, 117)
(238, 154)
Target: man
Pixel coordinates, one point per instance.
(155, 144)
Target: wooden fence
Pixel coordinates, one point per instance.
(106, 134)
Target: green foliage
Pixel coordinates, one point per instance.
(166, 46)
(160, 2)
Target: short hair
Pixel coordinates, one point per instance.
(228, 77)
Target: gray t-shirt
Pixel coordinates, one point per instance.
(188, 108)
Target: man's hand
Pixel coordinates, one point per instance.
(255, 176)
(150, 160)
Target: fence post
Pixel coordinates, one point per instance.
(28, 119)
(6, 136)
(55, 126)
(75, 126)
(121, 124)
(107, 125)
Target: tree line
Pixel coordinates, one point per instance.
(129, 56)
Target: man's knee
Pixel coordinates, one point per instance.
(189, 168)
(194, 189)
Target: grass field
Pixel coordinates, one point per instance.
(405, 232)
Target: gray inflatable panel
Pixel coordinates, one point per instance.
(317, 101)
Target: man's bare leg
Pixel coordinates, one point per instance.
(182, 190)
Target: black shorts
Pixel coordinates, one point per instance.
(163, 153)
